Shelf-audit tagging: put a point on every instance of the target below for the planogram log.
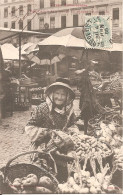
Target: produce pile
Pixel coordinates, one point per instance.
(36, 90)
(81, 181)
(106, 142)
(118, 158)
(108, 133)
(90, 146)
(108, 122)
(84, 150)
(113, 83)
(84, 183)
(31, 184)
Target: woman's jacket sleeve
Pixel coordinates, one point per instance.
(33, 127)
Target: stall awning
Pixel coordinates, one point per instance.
(10, 52)
(6, 33)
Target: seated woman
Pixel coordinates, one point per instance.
(56, 113)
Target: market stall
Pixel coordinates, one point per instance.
(89, 162)
(18, 62)
(93, 163)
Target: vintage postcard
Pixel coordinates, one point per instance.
(61, 85)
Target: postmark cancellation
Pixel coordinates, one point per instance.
(98, 32)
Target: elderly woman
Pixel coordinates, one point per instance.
(54, 114)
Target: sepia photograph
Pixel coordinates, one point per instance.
(61, 114)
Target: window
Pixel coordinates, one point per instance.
(41, 25)
(63, 2)
(5, 12)
(116, 17)
(5, 24)
(52, 3)
(75, 1)
(21, 10)
(13, 25)
(21, 24)
(116, 14)
(41, 3)
(63, 21)
(52, 22)
(88, 14)
(29, 9)
(29, 25)
(101, 12)
(13, 11)
(75, 20)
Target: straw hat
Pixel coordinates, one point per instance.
(63, 82)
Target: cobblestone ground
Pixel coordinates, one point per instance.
(13, 139)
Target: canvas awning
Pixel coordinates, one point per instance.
(10, 52)
(6, 33)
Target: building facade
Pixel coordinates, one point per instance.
(53, 15)
(16, 14)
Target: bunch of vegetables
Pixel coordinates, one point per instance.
(112, 83)
(31, 184)
(37, 89)
(108, 133)
(89, 184)
(118, 158)
(60, 141)
(85, 144)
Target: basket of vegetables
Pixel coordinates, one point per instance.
(26, 178)
(91, 149)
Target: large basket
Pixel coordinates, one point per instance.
(10, 172)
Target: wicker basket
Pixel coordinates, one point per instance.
(10, 172)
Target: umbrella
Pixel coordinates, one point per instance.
(71, 42)
(47, 61)
(69, 37)
(73, 37)
(32, 57)
(29, 47)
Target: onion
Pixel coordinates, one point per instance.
(93, 190)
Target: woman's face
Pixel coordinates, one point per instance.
(60, 96)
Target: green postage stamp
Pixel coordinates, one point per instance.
(98, 32)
